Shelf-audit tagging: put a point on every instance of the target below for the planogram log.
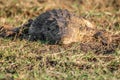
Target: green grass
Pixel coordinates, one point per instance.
(24, 60)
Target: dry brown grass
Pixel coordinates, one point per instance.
(23, 60)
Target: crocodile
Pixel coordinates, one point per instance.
(59, 26)
(55, 26)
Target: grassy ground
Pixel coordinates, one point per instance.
(24, 60)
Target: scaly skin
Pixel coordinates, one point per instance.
(62, 27)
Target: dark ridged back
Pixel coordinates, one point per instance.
(49, 26)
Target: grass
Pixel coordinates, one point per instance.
(24, 60)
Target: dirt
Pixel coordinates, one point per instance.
(59, 26)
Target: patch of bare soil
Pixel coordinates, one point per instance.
(62, 27)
